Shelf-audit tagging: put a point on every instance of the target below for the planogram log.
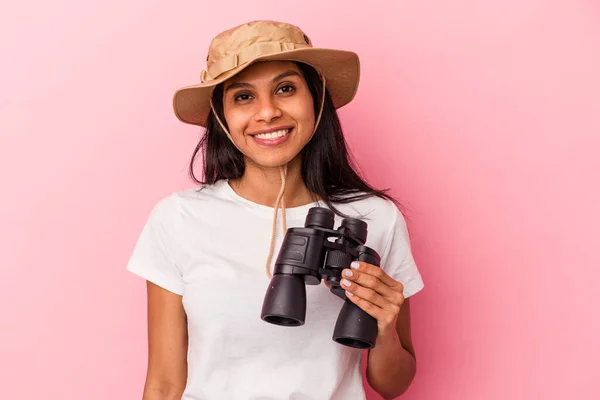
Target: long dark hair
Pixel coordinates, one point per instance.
(328, 167)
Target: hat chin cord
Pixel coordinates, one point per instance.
(279, 202)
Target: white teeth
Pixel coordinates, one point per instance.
(272, 135)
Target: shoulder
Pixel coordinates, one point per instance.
(373, 208)
(181, 202)
(201, 192)
(382, 216)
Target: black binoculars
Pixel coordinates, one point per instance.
(306, 257)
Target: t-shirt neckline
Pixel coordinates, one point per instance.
(291, 213)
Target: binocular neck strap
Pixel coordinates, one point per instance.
(279, 202)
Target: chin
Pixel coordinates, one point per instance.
(273, 162)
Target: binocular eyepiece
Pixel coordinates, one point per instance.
(308, 256)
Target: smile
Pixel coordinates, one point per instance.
(272, 138)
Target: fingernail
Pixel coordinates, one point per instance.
(349, 294)
(354, 264)
(347, 272)
(345, 282)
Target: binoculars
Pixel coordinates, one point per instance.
(307, 256)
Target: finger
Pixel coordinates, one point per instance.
(374, 283)
(376, 271)
(384, 318)
(389, 304)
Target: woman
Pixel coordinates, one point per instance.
(273, 144)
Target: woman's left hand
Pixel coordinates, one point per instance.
(375, 292)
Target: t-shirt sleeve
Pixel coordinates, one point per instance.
(152, 257)
(397, 259)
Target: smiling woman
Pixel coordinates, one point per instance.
(273, 140)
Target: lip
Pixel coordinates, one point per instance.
(277, 128)
(273, 142)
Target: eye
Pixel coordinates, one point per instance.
(286, 89)
(242, 97)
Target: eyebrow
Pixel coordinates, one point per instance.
(279, 77)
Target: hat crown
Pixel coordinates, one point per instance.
(260, 37)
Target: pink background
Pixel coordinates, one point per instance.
(483, 116)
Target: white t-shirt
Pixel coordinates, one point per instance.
(210, 246)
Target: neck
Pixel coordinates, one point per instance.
(262, 185)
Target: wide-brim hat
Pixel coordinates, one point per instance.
(236, 49)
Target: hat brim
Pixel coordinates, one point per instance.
(340, 68)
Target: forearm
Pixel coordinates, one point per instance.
(162, 392)
(390, 367)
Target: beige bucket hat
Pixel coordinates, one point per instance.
(233, 50)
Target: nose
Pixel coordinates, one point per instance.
(268, 110)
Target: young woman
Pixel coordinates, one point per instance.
(273, 147)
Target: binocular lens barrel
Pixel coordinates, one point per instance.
(320, 217)
(357, 227)
(285, 301)
(354, 327)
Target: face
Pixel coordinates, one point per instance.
(269, 111)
